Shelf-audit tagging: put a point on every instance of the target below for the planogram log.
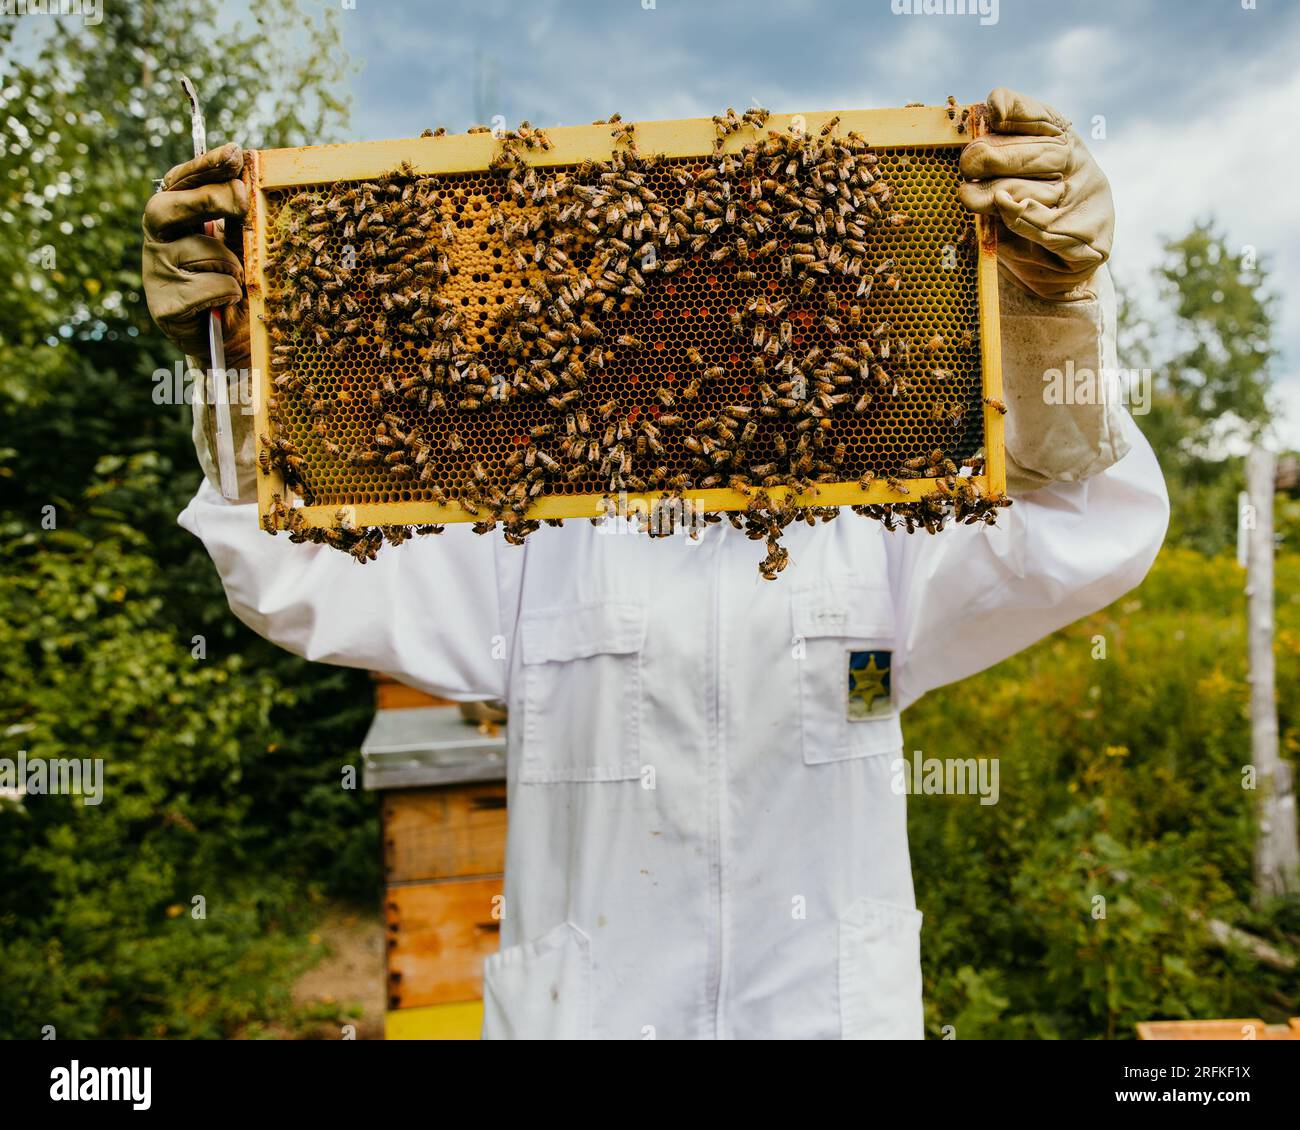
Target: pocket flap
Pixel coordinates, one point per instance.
(874, 917)
(861, 611)
(607, 627)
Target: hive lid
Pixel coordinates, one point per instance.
(429, 745)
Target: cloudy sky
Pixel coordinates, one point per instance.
(1200, 98)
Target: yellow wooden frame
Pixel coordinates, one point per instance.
(915, 126)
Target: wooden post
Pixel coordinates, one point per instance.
(1277, 853)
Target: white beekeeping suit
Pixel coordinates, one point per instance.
(704, 840)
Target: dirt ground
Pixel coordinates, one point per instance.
(349, 976)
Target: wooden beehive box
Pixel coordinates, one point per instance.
(444, 828)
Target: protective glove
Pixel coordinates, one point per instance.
(1036, 176)
(187, 273)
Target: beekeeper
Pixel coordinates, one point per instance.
(704, 841)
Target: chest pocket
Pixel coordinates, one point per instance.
(582, 692)
(845, 631)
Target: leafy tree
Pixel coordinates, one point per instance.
(1212, 377)
(91, 667)
(92, 116)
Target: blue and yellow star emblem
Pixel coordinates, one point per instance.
(869, 694)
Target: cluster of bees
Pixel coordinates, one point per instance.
(587, 242)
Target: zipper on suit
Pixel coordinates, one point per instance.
(718, 795)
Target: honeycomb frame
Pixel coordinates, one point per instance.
(272, 174)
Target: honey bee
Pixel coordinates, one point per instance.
(950, 413)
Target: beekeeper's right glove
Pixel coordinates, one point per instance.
(186, 273)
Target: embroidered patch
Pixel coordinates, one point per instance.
(869, 692)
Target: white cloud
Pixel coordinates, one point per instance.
(1077, 58)
(1229, 160)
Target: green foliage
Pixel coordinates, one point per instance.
(1120, 780)
(1219, 373)
(91, 117)
(204, 795)
(223, 774)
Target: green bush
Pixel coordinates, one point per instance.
(204, 794)
(1120, 778)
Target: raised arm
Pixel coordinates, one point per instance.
(1090, 507)
(426, 612)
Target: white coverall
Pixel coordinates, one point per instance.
(702, 844)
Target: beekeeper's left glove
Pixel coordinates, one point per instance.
(1033, 172)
